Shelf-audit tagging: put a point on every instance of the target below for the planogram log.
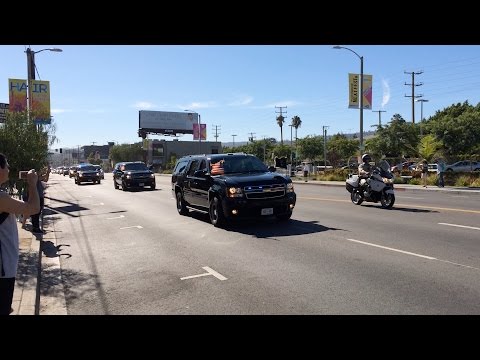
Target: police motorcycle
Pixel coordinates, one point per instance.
(378, 187)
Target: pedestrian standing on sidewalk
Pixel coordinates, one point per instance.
(41, 193)
(440, 171)
(306, 170)
(424, 173)
(9, 242)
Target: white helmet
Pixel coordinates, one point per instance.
(366, 158)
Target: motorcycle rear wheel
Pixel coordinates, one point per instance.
(356, 198)
(387, 201)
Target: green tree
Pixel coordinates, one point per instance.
(280, 121)
(429, 147)
(341, 148)
(458, 128)
(126, 152)
(311, 146)
(25, 144)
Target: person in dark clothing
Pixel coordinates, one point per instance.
(36, 217)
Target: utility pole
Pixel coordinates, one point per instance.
(216, 129)
(233, 137)
(264, 148)
(413, 96)
(251, 137)
(379, 116)
(281, 114)
(325, 148)
(291, 141)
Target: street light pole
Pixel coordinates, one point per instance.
(233, 137)
(421, 113)
(291, 141)
(361, 94)
(31, 71)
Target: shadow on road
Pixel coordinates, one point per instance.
(269, 227)
(395, 208)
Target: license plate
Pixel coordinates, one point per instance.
(141, 184)
(267, 211)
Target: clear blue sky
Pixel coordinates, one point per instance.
(97, 91)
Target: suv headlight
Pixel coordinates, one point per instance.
(234, 192)
(290, 187)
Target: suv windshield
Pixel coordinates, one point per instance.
(87, 168)
(136, 166)
(236, 164)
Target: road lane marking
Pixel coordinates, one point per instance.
(392, 249)
(214, 273)
(399, 205)
(129, 227)
(414, 254)
(210, 271)
(116, 217)
(97, 204)
(460, 226)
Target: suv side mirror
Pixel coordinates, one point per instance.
(272, 168)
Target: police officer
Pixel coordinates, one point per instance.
(365, 168)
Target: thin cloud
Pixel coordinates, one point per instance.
(143, 105)
(386, 92)
(241, 100)
(198, 105)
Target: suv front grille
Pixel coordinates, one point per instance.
(264, 191)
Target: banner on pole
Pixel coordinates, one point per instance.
(17, 91)
(353, 84)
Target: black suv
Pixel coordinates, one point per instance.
(133, 174)
(229, 186)
(86, 172)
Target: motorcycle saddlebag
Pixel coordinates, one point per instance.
(352, 182)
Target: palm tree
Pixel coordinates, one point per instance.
(280, 121)
(296, 123)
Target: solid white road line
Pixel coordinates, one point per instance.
(129, 227)
(460, 226)
(392, 249)
(210, 271)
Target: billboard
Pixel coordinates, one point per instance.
(40, 95)
(199, 130)
(17, 91)
(166, 123)
(353, 90)
(367, 91)
(353, 84)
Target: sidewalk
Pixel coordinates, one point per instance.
(36, 258)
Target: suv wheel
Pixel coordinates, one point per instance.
(124, 186)
(115, 185)
(181, 208)
(217, 218)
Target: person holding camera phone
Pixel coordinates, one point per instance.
(9, 241)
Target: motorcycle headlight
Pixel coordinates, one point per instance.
(388, 181)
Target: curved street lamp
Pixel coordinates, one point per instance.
(31, 68)
(361, 93)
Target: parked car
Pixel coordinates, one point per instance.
(231, 186)
(133, 174)
(464, 166)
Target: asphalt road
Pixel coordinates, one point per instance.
(131, 253)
